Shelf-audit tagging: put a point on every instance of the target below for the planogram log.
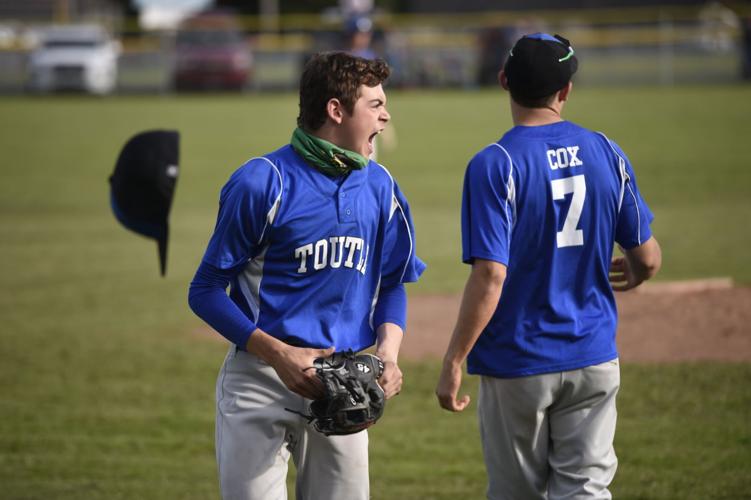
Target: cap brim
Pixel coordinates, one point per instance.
(162, 244)
(160, 233)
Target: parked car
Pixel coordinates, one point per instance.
(211, 53)
(76, 57)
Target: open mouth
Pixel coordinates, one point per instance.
(371, 139)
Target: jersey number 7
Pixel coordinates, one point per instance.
(569, 236)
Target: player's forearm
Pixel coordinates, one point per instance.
(291, 364)
(645, 260)
(265, 346)
(389, 342)
(480, 300)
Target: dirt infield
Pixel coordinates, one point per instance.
(684, 321)
(658, 323)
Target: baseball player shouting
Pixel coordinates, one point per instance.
(541, 211)
(316, 243)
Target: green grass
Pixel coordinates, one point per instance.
(107, 385)
(682, 433)
(688, 146)
(141, 426)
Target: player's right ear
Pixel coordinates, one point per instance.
(502, 79)
(335, 110)
(565, 92)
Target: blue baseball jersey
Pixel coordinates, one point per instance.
(549, 202)
(312, 252)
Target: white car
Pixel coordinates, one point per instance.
(76, 57)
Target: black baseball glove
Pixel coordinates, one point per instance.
(353, 400)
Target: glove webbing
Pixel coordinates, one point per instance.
(352, 387)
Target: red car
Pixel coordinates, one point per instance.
(211, 54)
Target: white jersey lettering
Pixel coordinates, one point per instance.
(551, 161)
(329, 252)
(363, 260)
(352, 243)
(302, 254)
(336, 241)
(321, 255)
(574, 160)
(564, 157)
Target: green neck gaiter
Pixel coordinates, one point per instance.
(324, 156)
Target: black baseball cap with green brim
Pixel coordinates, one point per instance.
(540, 65)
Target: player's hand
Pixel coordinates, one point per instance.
(448, 388)
(391, 379)
(622, 277)
(294, 365)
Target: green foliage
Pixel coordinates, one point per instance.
(107, 381)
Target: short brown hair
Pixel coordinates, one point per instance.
(335, 75)
(532, 102)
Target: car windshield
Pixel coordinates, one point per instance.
(208, 37)
(72, 44)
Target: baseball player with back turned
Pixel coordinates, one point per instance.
(541, 211)
(316, 243)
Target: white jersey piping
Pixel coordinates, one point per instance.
(625, 179)
(250, 279)
(394, 201)
(271, 215)
(511, 191)
(621, 171)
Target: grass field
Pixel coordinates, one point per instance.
(107, 382)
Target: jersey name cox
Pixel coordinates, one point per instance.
(564, 157)
(334, 252)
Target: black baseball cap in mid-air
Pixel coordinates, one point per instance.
(540, 65)
(143, 183)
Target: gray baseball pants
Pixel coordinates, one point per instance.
(255, 437)
(550, 436)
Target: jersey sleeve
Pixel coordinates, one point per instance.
(634, 216)
(391, 307)
(245, 208)
(207, 297)
(487, 208)
(400, 263)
